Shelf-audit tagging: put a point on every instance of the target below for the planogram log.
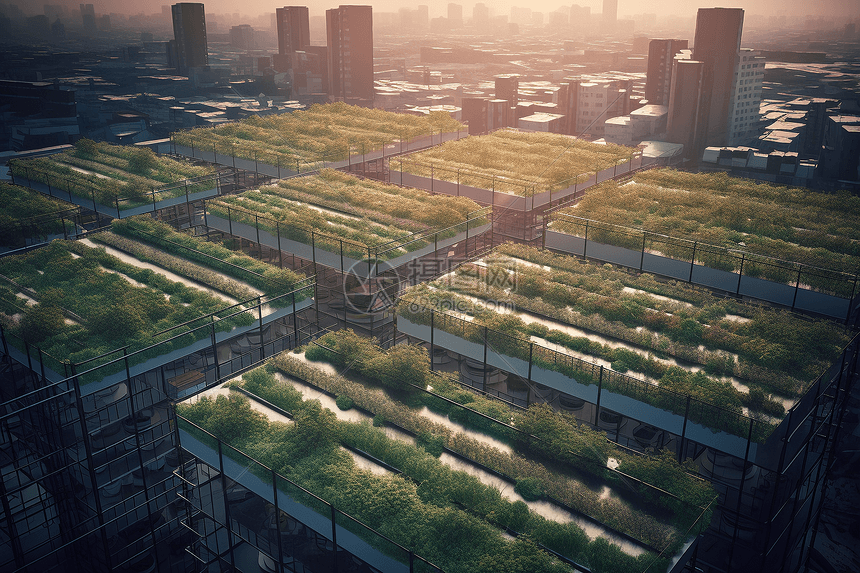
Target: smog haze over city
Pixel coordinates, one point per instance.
(791, 9)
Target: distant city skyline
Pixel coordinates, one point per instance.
(253, 8)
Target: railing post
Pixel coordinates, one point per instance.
(334, 535)
(280, 252)
(599, 392)
(432, 345)
(484, 382)
(693, 260)
(796, 287)
(531, 354)
(740, 274)
(642, 256)
(585, 244)
(296, 320)
(214, 349)
(684, 431)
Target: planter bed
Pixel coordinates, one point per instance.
(458, 435)
(88, 308)
(333, 135)
(508, 166)
(779, 228)
(744, 359)
(115, 180)
(28, 215)
(340, 220)
(377, 376)
(461, 505)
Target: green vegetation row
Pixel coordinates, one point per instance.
(116, 173)
(561, 438)
(520, 163)
(388, 502)
(28, 213)
(374, 214)
(786, 223)
(71, 279)
(775, 347)
(321, 133)
(267, 278)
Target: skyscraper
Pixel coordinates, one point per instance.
(744, 113)
(610, 14)
(684, 113)
(718, 39)
(293, 29)
(88, 16)
(661, 57)
(350, 53)
(189, 32)
(455, 15)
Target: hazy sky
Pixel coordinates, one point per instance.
(791, 8)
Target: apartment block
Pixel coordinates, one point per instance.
(350, 53)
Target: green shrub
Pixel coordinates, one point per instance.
(529, 488)
(344, 402)
(433, 444)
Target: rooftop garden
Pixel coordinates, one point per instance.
(321, 133)
(111, 174)
(29, 214)
(134, 287)
(787, 223)
(515, 162)
(452, 518)
(743, 358)
(348, 213)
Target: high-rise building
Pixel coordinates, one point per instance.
(242, 37)
(88, 16)
(455, 15)
(189, 32)
(610, 14)
(507, 88)
(588, 101)
(718, 39)
(294, 33)
(350, 53)
(481, 16)
(484, 115)
(684, 113)
(744, 113)
(661, 58)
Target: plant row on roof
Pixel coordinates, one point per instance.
(390, 384)
(76, 302)
(515, 162)
(110, 173)
(362, 212)
(774, 354)
(435, 485)
(787, 223)
(322, 132)
(28, 212)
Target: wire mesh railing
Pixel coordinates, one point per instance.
(328, 525)
(335, 251)
(110, 199)
(644, 246)
(541, 361)
(264, 158)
